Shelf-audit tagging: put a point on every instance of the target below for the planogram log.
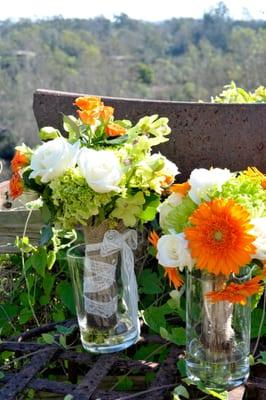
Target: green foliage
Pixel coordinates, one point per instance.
(177, 219)
(180, 390)
(42, 291)
(234, 94)
(150, 282)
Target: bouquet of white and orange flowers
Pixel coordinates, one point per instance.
(214, 226)
(101, 168)
(100, 175)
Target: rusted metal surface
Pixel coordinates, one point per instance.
(166, 375)
(204, 134)
(94, 377)
(21, 379)
(95, 370)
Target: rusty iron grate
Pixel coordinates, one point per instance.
(93, 371)
(98, 367)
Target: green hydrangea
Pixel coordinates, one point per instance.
(128, 209)
(178, 218)
(75, 201)
(246, 191)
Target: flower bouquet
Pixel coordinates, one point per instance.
(100, 175)
(214, 226)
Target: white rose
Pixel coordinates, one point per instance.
(53, 158)
(164, 208)
(259, 231)
(173, 252)
(101, 169)
(170, 169)
(201, 180)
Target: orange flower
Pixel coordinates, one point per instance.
(235, 292)
(87, 102)
(219, 238)
(88, 117)
(113, 130)
(174, 277)
(19, 161)
(181, 188)
(16, 186)
(106, 113)
(153, 238)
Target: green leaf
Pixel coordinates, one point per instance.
(48, 133)
(154, 317)
(69, 397)
(65, 293)
(25, 315)
(118, 140)
(124, 383)
(149, 377)
(2, 375)
(48, 338)
(181, 365)
(71, 127)
(46, 235)
(7, 312)
(65, 330)
(262, 360)
(48, 283)
(148, 214)
(39, 261)
(46, 213)
(180, 391)
(149, 282)
(144, 352)
(44, 300)
(58, 315)
(256, 316)
(51, 259)
(176, 335)
(218, 395)
(62, 341)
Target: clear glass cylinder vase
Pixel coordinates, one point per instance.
(107, 320)
(218, 335)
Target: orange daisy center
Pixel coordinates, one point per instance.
(219, 237)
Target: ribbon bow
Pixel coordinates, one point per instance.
(114, 241)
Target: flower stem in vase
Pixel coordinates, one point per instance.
(100, 288)
(217, 331)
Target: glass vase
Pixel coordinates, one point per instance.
(218, 335)
(105, 295)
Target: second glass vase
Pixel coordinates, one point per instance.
(218, 335)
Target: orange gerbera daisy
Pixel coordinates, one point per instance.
(219, 238)
(172, 273)
(235, 292)
(181, 188)
(174, 277)
(16, 186)
(19, 161)
(113, 130)
(87, 102)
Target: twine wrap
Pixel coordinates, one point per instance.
(99, 275)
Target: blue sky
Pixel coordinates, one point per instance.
(151, 10)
